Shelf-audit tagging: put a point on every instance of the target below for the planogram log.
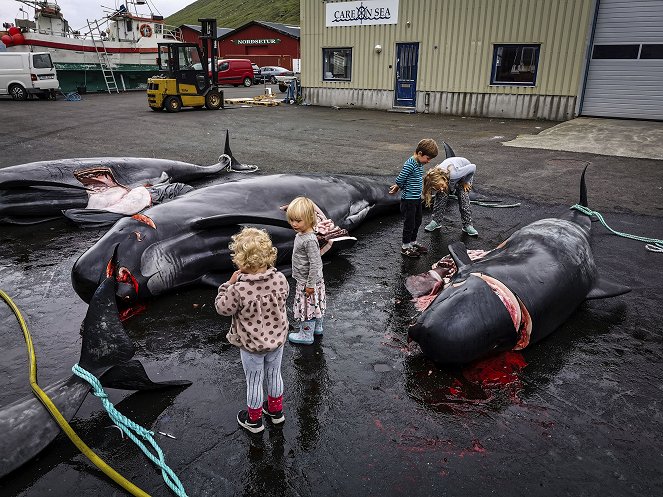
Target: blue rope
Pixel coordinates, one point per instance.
(72, 97)
(652, 244)
(127, 426)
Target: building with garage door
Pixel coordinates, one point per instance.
(495, 58)
(264, 43)
(625, 73)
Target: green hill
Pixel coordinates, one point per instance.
(235, 13)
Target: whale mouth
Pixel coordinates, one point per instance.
(97, 178)
(522, 321)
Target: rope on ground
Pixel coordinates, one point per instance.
(71, 96)
(58, 417)
(652, 244)
(128, 427)
(495, 204)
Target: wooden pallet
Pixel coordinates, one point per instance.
(259, 100)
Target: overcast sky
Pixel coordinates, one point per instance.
(77, 11)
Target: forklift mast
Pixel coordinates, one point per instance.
(208, 37)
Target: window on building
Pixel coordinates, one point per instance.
(631, 51)
(615, 51)
(336, 64)
(515, 65)
(652, 51)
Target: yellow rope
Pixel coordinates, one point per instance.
(59, 419)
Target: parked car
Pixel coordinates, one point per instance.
(256, 74)
(269, 73)
(235, 72)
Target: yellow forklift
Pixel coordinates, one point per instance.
(185, 80)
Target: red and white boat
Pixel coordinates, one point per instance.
(114, 53)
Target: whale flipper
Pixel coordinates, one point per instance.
(458, 252)
(603, 289)
(225, 220)
(448, 150)
(24, 183)
(131, 375)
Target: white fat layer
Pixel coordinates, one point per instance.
(121, 201)
(506, 296)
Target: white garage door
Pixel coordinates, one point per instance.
(625, 77)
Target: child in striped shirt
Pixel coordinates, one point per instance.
(410, 183)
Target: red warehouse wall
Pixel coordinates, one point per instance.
(261, 45)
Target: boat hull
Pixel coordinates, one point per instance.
(79, 68)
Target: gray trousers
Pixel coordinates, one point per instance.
(440, 204)
(258, 367)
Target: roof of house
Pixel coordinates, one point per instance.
(292, 31)
(219, 31)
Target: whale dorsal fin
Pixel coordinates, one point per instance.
(225, 220)
(458, 252)
(603, 289)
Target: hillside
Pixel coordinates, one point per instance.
(235, 13)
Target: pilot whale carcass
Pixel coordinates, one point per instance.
(26, 426)
(39, 191)
(515, 295)
(186, 241)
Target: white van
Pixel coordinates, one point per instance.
(24, 73)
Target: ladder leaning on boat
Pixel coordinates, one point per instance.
(102, 53)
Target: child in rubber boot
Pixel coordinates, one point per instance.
(453, 175)
(409, 182)
(255, 296)
(309, 305)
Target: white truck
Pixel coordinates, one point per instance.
(28, 73)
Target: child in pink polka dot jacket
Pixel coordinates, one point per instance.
(255, 296)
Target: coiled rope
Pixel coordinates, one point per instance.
(652, 244)
(57, 416)
(495, 204)
(128, 427)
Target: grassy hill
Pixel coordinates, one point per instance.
(234, 13)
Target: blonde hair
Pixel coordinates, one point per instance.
(301, 209)
(252, 249)
(436, 179)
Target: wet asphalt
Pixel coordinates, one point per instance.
(366, 414)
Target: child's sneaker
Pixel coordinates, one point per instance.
(432, 226)
(275, 417)
(410, 252)
(419, 248)
(318, 329)
(469, 229)
(251, 426)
